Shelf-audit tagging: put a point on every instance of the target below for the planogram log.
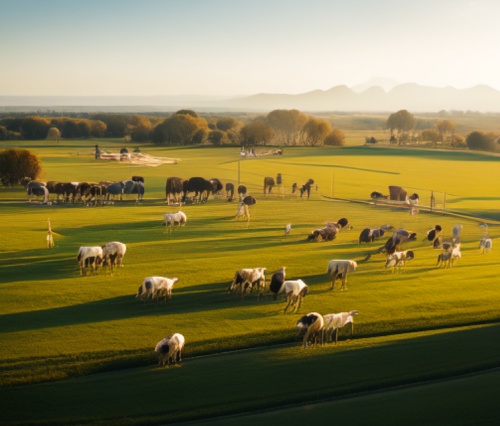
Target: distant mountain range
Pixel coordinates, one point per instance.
(376, 95)
(410, 96)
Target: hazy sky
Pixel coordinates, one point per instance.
(235, 47)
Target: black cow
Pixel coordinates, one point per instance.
(217, 185)
(83, 189)
(198, 185)
(268, 183)
(138, 179)
(173, 188)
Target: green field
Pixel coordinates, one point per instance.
(57, 326)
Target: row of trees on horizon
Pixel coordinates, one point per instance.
(279, 127)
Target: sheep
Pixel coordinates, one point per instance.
(398, 238)
(169, 347)
(399, 259)
(433, 234)
(338, 269)
(370, 235)
(447, 258)
(333, 322)
(151, 285)
(376, 195)
(486, 244)
(277, 281)
(311, 326)
(169, 219)
(247, 279)
(295, 291)
(288, 228)
(326, 234)
(445, 245)
(166, 287)
(116, 252)
(340, 224)
(386, 227)
(86, 252)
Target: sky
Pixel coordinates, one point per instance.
(242, 47)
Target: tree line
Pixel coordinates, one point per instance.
(405, 128)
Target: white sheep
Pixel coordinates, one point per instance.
(295, 291)
(311, 326)
(151, 285)
(448, 257)
(169, 219)
(333, 322)
(85, 253)
(338, 269)
(169, 347)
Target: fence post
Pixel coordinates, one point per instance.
(432, 199)
(444, 201)
(238, 172)
(332, 187)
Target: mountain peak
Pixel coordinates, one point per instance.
(385, 83)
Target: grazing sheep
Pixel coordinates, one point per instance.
(486, 244)
(334, 322)
(288, 228)
(325, 234)
(151, 285)
(242, 191)
(370, 235)
(277, 281)
(433, 234)
(165, 287)
(378, 195)
(397, 240)
(311, 327)
(247, 279)
(447, 258)
(86, 252)
(116, 252)
(399, 259)
(169, 219)
(295, 291)
(244, 208)
(169, 347)
(338, 270)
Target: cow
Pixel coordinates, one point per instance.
(216, 184)
(199, 186)
(138, 179)
(397, 193)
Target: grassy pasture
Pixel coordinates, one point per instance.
(55, 324)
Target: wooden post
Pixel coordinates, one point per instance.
(444, 201)
(432, 199)
(238, 172)
(50, 239)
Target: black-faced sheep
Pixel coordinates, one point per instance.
(169, 347)
(311, 327)
(370, 235)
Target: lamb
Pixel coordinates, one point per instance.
(87, 252)
(311, 326)
(333, 322)
(447, 258)
(338, 269)
(247, 279)
(486, 244)
(169, 219)
(169, 347)
(295, 291)
(151, 285)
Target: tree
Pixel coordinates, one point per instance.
(402, 121)
(16, 164)
(431, 135)
(34, 128)
(288, 124)
(84, 129)
(190, 112)
(4, 134)
(70, 130)
(445, 127)
(315, 130)
(458, 141)
(256, 133)
(98, 128)
(216, 137)
(179, 130)
(226, 123)
(54, 134)
(199, 137)
(335, 138)
(481, 141)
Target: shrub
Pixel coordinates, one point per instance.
(481, 141)
(16, 163)
(335, 138)
(54, 134)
